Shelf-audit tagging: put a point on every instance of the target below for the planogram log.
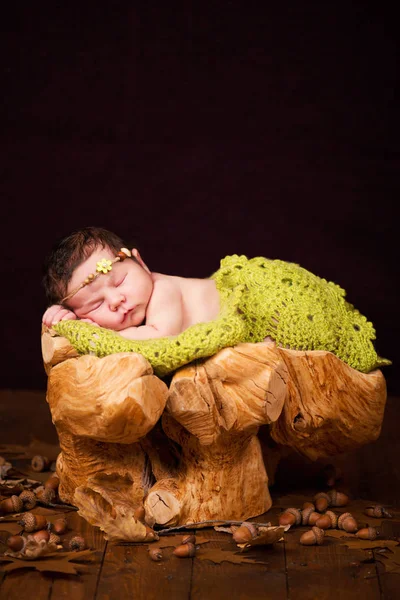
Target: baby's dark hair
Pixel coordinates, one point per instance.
(69, 253)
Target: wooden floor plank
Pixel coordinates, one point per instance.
(26, 584)
(128, 572)
(389, 582)
(315, 572)
(245, 581)
(83, 586)
(56, 586)
(331, 571)
(16, 583)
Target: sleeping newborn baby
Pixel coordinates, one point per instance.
(91, 280)
(129, 299)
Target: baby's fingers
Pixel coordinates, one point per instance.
(70, 316)
(50, 313)
(61, 315)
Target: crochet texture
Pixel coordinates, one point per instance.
(259, 297)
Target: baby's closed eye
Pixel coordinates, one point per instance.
(93, 308)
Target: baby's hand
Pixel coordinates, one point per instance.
(57, 313)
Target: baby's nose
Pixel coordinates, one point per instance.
(116, 301)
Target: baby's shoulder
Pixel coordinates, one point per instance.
(165, 285)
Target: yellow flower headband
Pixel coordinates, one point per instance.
(103, 266)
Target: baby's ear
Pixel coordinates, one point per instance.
(135, 253)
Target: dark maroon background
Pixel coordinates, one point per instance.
(200, 132)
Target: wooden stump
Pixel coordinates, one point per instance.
(102, 408)
(330, 408)
(207, 462)
(217, 406)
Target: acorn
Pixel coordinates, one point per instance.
(308, 505)
(54, 539)
(40, 463)
(324, 522)
(31, 522)
(314, 536)
(60, 526)
(309, 516)
(334, 518)
(189, 539)
(16, 543)
(337, 498)
(28, 499)
(52, 482)
(367, 533)
(45, 495)
(306, 512)
(347, 522)
(185, 550)
(42, 534)
(290, 516)
(77, 543)
(11, 505)
(155, 554)
(327, 520)
(377, 512)
(243, 534)
(322, 501)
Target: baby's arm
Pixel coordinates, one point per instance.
(164, 315)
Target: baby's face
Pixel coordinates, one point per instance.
(116, 300)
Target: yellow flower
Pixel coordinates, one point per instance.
(104, 265)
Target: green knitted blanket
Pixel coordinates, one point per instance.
(259, 297)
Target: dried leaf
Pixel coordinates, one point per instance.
(59, 562)
(390, 556)
(390, 565)
(230, 529)
(114, 488)
(4, 469)
(216, 555)
(10, 473)
(233, 527)
(210, 523)
(14, 518)
(33, 549)
(371, 544)
(266, 535)
(339, 533)
(9, 529)
(175, 540)
(117, 522)
(16, 488)
(388, 551)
